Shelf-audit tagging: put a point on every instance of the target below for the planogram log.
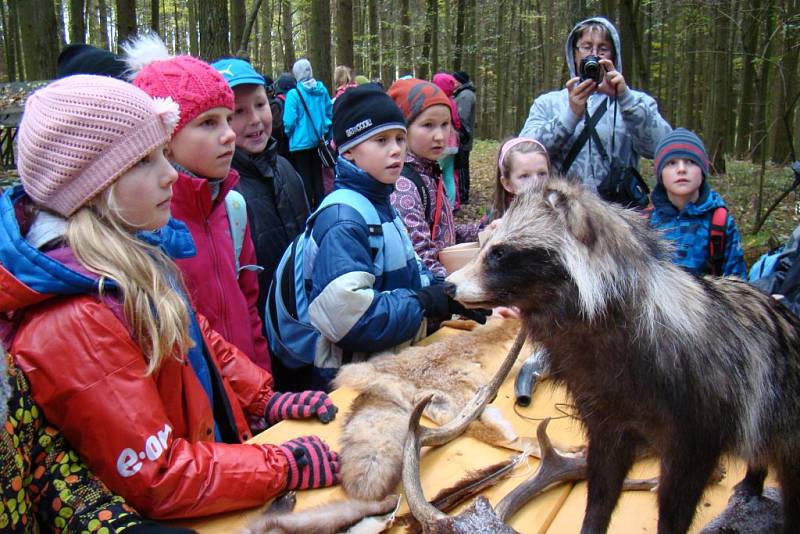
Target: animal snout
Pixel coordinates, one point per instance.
(450, 289)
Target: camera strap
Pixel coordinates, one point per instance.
(588, 130)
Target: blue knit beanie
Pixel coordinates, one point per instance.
(681, 143)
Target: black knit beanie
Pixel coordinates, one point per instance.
(88, 59)
(461, 76)
(361, 112)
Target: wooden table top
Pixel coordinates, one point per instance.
(557, 511)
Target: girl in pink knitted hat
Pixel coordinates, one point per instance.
(222, 278)
(94, 312)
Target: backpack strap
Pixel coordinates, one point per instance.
(409, 172)
(716, 241)
(363, 206)
(236, 208)
(588, 130)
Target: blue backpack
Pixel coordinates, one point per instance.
(768, 272)
(291, 336)
(766, 264)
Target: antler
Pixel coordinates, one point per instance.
(554, 468)
(419, 436)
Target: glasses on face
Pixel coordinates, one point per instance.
(587, 48)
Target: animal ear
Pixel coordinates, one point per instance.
(573, 214)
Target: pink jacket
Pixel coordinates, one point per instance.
(447, 83)
(210, 276)
(409, 206)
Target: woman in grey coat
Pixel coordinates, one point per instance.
(557, 118)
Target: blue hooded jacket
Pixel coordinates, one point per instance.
(355, 310)
(302, 130)
(690, 229)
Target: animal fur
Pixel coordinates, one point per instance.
(693, 367)
(371, 445)
(330, 518)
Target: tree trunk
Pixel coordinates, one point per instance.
(434, 13)
(214, 30)
(238, 21)
(374, 39)
(388, 57)
(423, 71)
(550, 74)
(179, 45)
(9, 40)
(360, 37)
(445, 37)
(77, 24)
(126, 20)
(194, 42)
(751, 26)
(62, 33)
(405, 65)
(632, 56)
(102, 25)
(155, 17)
(266, 39)
(719, 116)
(287, 34)
(732, 74)
(242, 45)
(319, 49)
(788, 91)
(759, 139)
(39, 46)
(458, 53)
(344, 33)
(522, 68)
(500, 70)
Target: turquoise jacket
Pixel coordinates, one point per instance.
(302, 131)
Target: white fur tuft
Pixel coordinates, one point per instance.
(142, 50)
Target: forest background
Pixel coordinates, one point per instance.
(727, 69)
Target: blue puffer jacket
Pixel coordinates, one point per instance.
(689, 230)
(302, 131)
(357, 311)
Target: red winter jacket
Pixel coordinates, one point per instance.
(146, 437)
(210, 276)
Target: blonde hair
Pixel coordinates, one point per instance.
(158, 316)
(502, 198)
(342, 75)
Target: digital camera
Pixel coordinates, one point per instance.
(591, 69)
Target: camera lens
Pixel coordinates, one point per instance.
(591, 69)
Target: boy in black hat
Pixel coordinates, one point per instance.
(367, 291)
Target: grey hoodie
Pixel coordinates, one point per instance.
(639, 125)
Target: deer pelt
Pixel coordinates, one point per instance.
(329, 518)
(389, 384)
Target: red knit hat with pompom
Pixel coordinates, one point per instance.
(194, 84)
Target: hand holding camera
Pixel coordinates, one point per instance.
(614, 83)
(595, 74)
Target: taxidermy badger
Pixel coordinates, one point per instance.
(652, 356)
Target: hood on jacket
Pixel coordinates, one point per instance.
(707, 200)
(569, 48)
(467, 86)
(32, 276)
(317, 89)
(261, 164)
